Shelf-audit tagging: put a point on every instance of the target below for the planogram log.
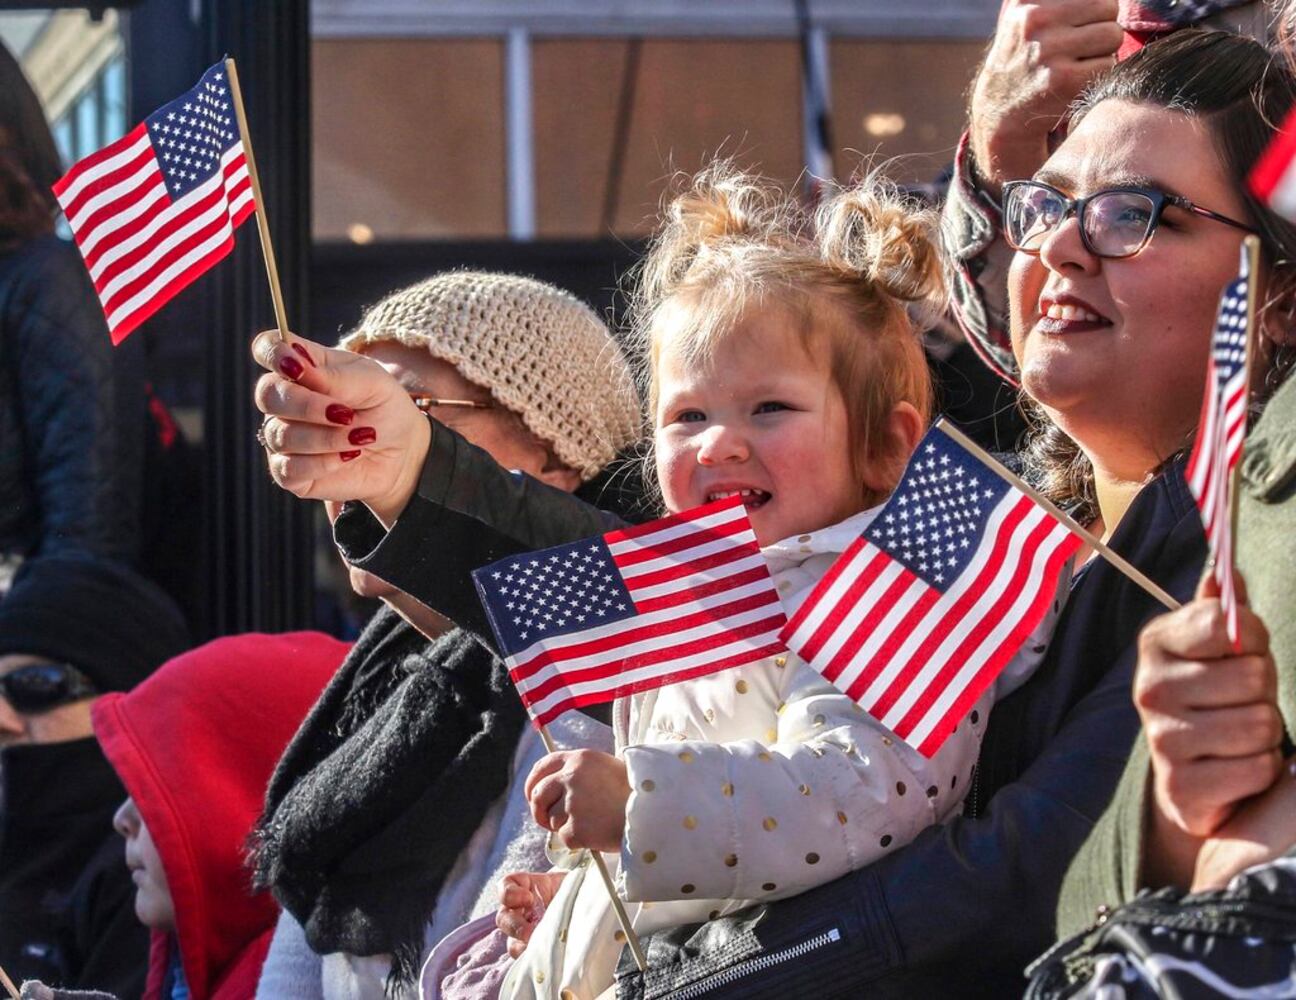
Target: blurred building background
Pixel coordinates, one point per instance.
(401, 137)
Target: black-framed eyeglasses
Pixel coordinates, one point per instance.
(426, 401)
(40, 687)
(1115, 223)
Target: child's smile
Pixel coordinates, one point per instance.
(760, 418)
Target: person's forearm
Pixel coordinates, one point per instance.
(467, 512)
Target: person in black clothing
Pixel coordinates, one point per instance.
(71, 406)
(70, 629)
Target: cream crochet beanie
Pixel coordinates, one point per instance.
(540, 351)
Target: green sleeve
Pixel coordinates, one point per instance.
(1105, 871)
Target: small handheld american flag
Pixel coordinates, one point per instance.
(634, 609)
(1221, 432)
(920, 614)
(158, 207)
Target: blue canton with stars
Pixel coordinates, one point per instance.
(1231, 331)
(934, 521)
(553, 592)
(191, 133)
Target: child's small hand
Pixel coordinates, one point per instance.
(581, 796)
(523, 897)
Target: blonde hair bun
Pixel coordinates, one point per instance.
(873, 230)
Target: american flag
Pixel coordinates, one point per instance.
(158, 207)
(1220, 433)
(634, 609)
(1273, 178)
(920, 614)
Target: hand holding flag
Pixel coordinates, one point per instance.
(630, 610)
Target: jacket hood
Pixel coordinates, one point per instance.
(195, 745)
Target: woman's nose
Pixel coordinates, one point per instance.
(722, 443)
(1064, 248)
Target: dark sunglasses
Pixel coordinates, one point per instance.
(43, 686)
(1115, 223)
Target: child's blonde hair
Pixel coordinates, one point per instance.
(846, 274)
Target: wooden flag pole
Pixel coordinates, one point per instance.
(1068, 522)
(1252, 247)
(263, 224)
(9, 984)
(623, 918)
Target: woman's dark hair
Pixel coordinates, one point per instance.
(29, 160)
(1242, 92)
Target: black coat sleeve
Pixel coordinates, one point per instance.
(80, 406)
(110, 947)
(468, 511)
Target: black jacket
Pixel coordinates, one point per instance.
(962, 909)
(71, 412)
(67, 903)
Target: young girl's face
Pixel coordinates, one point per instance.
(761, 417)
(153, 903)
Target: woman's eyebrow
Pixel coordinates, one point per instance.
(1064, 182)
(1053, 178)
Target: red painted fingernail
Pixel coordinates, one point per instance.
(339, 414)
(347, 456)
(305, 354)
(291, 367)
(363, 435)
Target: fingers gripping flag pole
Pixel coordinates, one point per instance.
(156, 209)
(631, 610)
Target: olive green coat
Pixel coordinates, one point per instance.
(1106, 869)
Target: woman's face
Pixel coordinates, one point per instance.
(1115, 350)
(494, 430)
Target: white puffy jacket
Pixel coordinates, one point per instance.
(750, 784)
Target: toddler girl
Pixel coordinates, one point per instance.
(782, 364)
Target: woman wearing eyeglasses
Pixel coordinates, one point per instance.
(1205, 794)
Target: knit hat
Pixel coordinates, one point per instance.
(540, 351)
(110, 623)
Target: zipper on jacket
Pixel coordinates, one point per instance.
(726, 977)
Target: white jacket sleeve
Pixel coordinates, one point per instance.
(291, 969)
(832, 791)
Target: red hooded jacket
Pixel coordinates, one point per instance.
(195, 745)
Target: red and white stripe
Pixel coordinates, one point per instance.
(1273, 178)
(917, 658)
(705, 602)
(141, 247)
(1216, 454)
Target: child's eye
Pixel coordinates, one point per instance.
(771, 406)
(690, 416)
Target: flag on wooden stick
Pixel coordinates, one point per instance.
(920, 614)
(158, 207)
(1221, 430)
(634, 609)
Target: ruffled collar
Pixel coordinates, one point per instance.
(834, 539)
